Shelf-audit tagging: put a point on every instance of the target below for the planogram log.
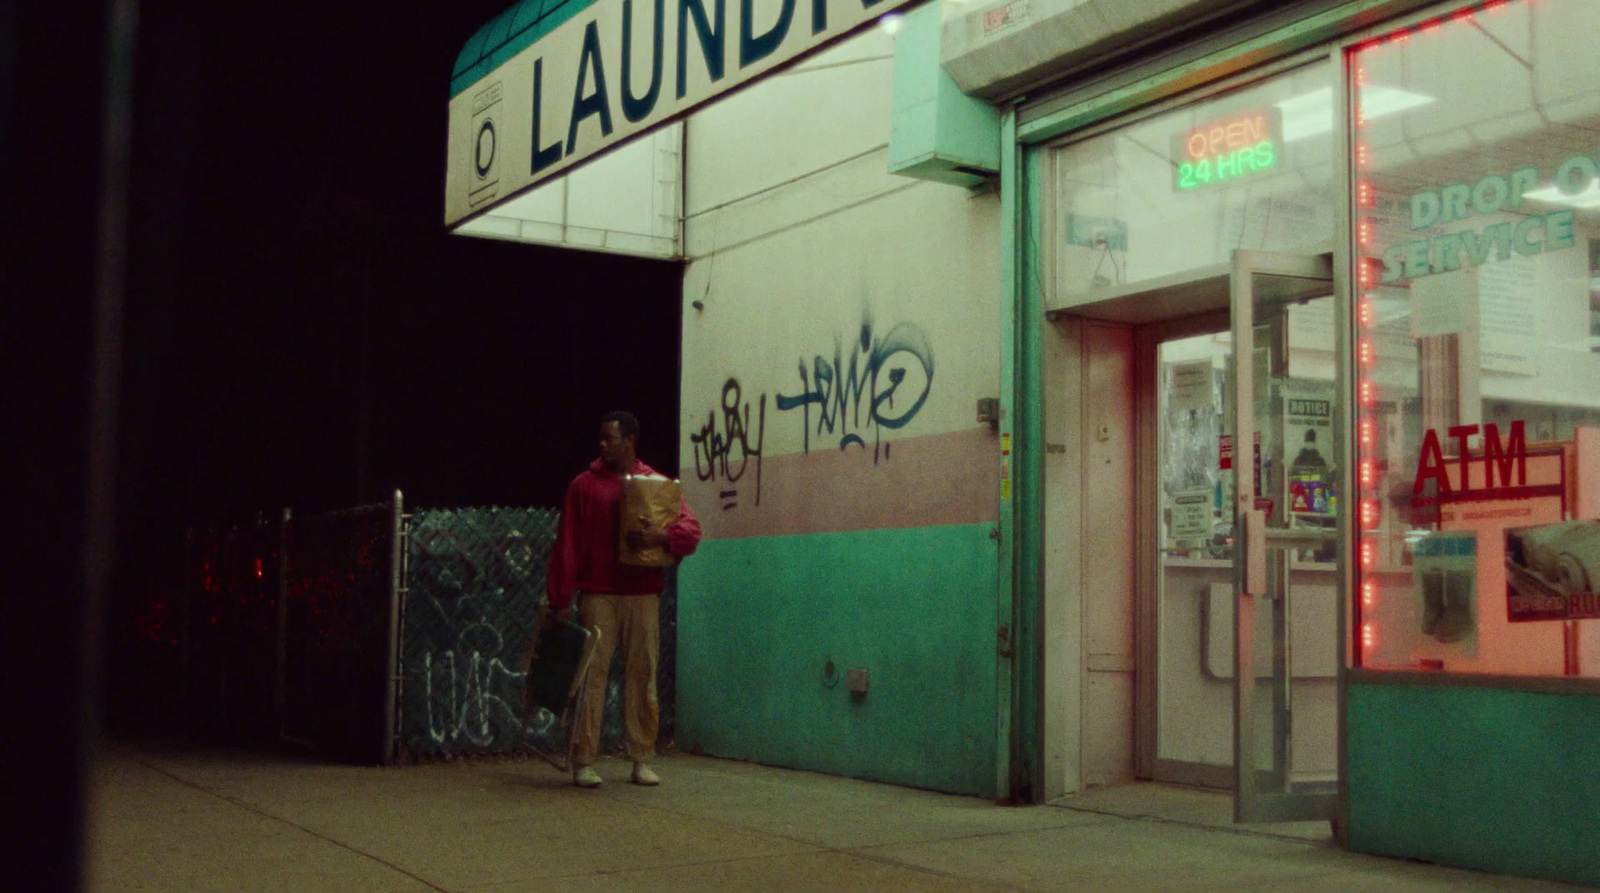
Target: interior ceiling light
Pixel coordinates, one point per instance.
(1588, 198)
(1312, 113)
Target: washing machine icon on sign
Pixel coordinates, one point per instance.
(484, 178)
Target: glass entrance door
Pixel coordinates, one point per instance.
(1287, 622)
(1190, 681)
(1239, 648)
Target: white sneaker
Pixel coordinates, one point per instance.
(586, 777)
(643, 775)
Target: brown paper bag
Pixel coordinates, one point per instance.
(656, 499)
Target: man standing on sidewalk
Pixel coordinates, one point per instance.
(621, 600)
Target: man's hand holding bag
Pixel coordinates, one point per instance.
(649, 504)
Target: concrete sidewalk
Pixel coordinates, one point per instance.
(172, 820)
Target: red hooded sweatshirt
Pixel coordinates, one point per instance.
(584, 558)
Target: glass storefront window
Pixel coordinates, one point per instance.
(1477, 195)
(1251, 169)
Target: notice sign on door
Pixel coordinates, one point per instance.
(1189, 386)
(1191, 514)
(1307, 419)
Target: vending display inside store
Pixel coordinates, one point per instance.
(1477, 195)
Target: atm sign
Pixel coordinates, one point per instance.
(1228, 149)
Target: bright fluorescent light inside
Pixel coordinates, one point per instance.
(1312, 114)
(1588, 198)
(892, 23)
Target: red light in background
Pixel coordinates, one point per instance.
(258, 568)
(1369, 473)
(1462, 15)
(1363, 157)
(1369, 514)
(1369, 593)
(1428, 27)
(1368, 391)
(1369, 554)
(1368, 433)
(1364, 233)
(1365, 197)
(1369, 637)
(1364, 307)
(1364, 352)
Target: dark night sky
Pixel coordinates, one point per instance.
(300, 328)
(296, 329)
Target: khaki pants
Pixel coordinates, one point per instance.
(631, 622)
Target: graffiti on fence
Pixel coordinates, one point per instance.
(473, 697)
(475, 580)
(474, 587)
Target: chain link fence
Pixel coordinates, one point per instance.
(475, 579)
(317, 629)
(338, 631)
(216, 635)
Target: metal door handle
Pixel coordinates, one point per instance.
(1255, 552)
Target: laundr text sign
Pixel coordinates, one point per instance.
(615, 70)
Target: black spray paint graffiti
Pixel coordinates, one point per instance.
(883, 385)
(724, 452)
(862, 396)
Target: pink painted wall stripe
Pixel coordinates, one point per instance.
(937, 479)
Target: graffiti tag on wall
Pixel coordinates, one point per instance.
(878, 385)
(723, 452)
(861, 397)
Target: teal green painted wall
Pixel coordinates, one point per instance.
(1496, 780)
(758, 618)
(935, 128)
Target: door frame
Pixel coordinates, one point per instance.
(1147, 603)
(1211, 296)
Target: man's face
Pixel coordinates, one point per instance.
(615, 450)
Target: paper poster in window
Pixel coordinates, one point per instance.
(1553, 571)
(1446, 568)
(1308, 446)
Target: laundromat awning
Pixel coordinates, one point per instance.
(549, 84)
(507, 34)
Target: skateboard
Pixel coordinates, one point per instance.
(556, 665)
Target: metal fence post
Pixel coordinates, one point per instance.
(281, 684)
(191, 579)
(392, 672)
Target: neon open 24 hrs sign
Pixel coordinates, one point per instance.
(1228, 149)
